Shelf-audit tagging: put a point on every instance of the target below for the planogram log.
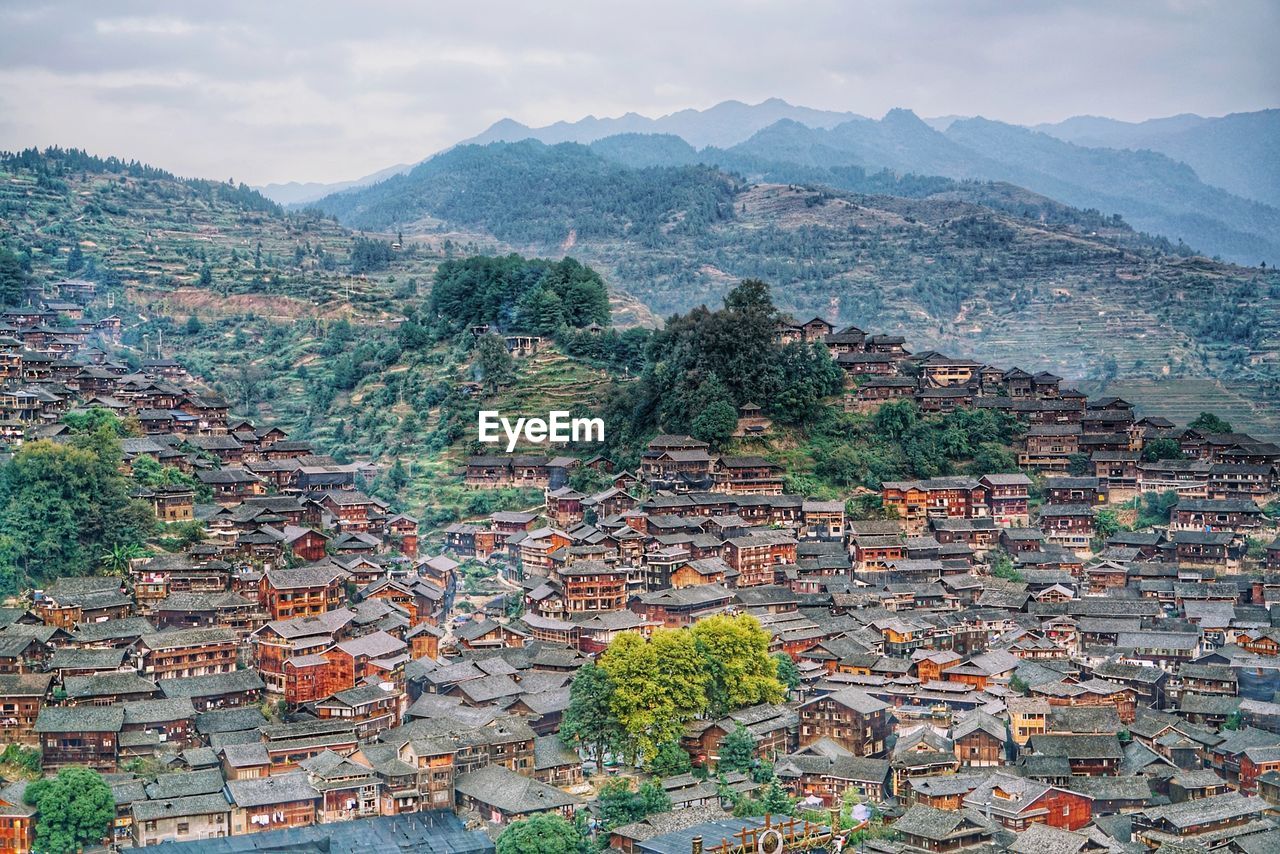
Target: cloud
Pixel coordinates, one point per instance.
(330, 91)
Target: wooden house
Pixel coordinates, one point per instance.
(186, 653)
(22, 696)
(302, 592)
(80, 735)
(851, 718)
(755, 559)
(1017, 803)
(1008, 497)
(272, 803)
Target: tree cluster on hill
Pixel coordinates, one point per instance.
(1210, 423)
(15, 275)
(518, 294)
(705, 364)
(64, 505)
(641, 694)
(899, 441)
(620, 804)
(369, 255)
(52, 163)
(619, 350)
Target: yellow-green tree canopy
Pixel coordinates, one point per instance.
(741, 672)
(660, 684)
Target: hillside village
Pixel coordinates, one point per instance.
(1080, 652)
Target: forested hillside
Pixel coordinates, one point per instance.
(528, 194)
(1209, 184)
(987, 270)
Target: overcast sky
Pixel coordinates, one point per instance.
(316, 91)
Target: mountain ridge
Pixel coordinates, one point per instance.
(981, 269)
(1154, 190)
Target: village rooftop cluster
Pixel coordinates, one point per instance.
(306, 669)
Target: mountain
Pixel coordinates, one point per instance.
(900, 142)
(987, 270)
(295, 193)
(180, 246)
(1101, 163)
(1085, 162)
(1150, 190)
(1239, 152)
(527, 193)
(721, 126)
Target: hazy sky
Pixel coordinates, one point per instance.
(317, 91)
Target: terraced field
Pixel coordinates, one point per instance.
(1183, 399)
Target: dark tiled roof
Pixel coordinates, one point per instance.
(80, 719)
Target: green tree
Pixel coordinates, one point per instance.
(1154, 509)
(788, 673)
(682, 672)
(545, 833)
(93, 419)
(64, 504)
(206, 275)
(715, 424)
(14, 277)
(1210, 423)
(75, 258)
(620, 804)
(118, 560)
(671, 760)
(1078, 464)
(194, 326)
(651, 798)
(397, 476)
(589, 720)
(1106, 523)
(776, 800)
(1161, 449)
(737, 750)
(896, 419)
(658, 686)
(26, 758)
(74, 810)
(739, 670)
(494, 360)
(994, 458)
(1001, 566)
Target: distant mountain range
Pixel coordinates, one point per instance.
(1239, 152)
(727, 123)
(1209, 182)
(296, 193)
